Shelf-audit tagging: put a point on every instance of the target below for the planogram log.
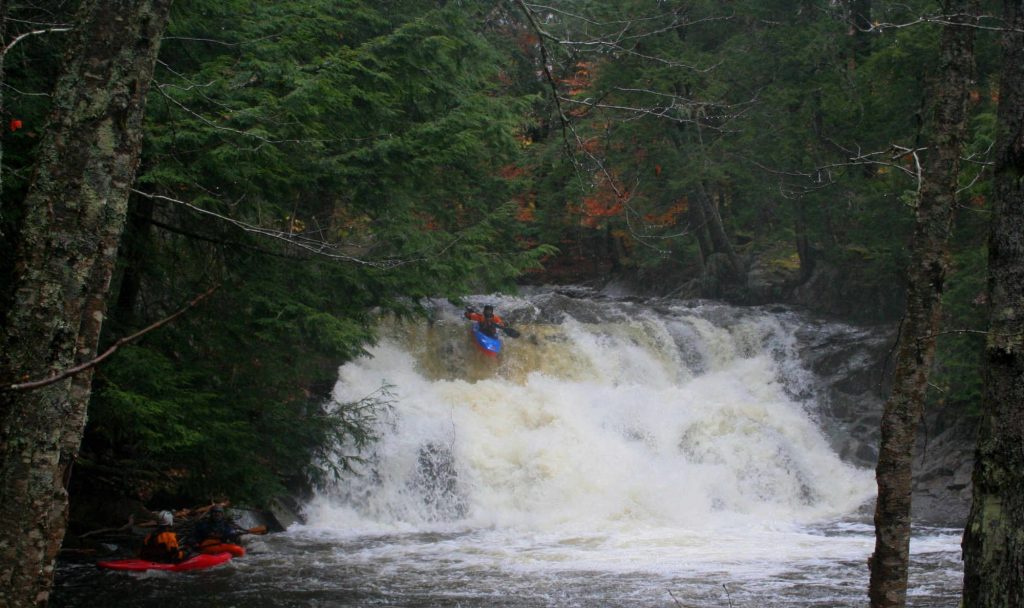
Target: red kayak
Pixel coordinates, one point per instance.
(213, 547)
(198, 562)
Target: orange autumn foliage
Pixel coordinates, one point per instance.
(608, 200)
(527, 41)
(580, 80)
(670, 217)
(527, 210)
(511, 171)
(592, 145)
(429, 222)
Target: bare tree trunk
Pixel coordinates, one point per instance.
(860, 22)
(926, 277)
(804, 250)
(3, 79)
(75, 212)
(698, 225)
(716, 228)
(994, 539)
(134, 245)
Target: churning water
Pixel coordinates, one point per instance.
(617, 454)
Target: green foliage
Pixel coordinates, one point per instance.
(960, 347)
(349, 157)
(788, 119)
(231, 397)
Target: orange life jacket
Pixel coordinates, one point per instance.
(161, 546)
(486, 326)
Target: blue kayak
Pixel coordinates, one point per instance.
(488, 345)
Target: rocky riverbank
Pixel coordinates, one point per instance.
(854, 365)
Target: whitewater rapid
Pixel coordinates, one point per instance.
(631, 420)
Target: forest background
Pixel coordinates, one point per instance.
(319, 163)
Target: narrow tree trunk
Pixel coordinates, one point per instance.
(803, 243)
(994, 539)
(716, 231)
(75, 212)
(134, 245)
(926, 275)
(860, 22)
(3, 79)
(699, 226)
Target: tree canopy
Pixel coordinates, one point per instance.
(325, 162)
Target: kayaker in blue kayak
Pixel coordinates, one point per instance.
(488, 322)
(161, 545)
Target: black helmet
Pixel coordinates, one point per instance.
(488, 310)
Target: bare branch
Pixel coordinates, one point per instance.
(213, 125)
(615, 41)
(315, 246)
(71, 371)
(954, 19)
(20, 37)
(545, 64)
(7, 85)
(686, 112)
(210, 40)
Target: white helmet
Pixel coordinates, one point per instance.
(165, 518)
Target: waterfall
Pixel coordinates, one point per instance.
(606, 414)
(622, 454)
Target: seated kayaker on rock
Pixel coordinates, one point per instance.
(488, 323)
(161, 545)
(217, 533)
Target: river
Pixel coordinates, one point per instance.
(619, 453)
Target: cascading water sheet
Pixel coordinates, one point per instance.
(608, 428)
(613, 441)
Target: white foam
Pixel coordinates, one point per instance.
(592, 426)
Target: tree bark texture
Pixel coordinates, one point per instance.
(716, 230)
(75, 212)
(3, 79)
(698, 225)
(993, 545)
(926, 278)
(804, 249)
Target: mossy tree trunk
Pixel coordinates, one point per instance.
(994, 539)
(67, 246)
(926, 278)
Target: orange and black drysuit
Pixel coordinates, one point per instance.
(488, 325)
(161, 545)
(215, 533)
